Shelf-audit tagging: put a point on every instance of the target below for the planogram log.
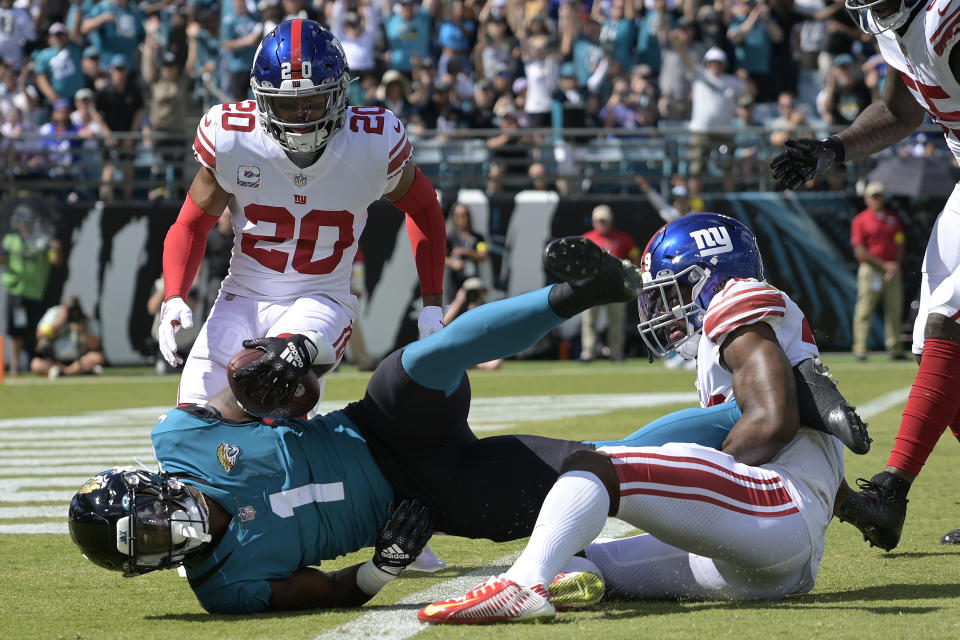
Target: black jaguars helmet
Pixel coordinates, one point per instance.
(137, 521)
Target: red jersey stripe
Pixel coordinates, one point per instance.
(708, 499)
(398, 161)
(296, 37)
(704, 480)
(399, 144)
(203, 137)
(205, 156)
(636, 453)
(735, 322)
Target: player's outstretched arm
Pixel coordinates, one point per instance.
(408, 528)
(883, 123)
(766, 392)
(183, 251)
(880, 125)
(416, 196)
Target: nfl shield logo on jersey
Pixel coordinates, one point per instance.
(248, 176)
(300, 180)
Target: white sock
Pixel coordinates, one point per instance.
(572, 515)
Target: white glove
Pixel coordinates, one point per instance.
(430, 320)
(174, 315)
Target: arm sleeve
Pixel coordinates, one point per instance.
(427, 231)
(739, 304)
(183, 248)
(399, 152)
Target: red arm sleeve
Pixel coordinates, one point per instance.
(427, 231)
(183, 248)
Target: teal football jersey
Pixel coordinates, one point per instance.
(300, 491)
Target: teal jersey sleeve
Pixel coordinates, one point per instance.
(300, 491)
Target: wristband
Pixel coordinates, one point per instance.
(370, 579)
(836, 145)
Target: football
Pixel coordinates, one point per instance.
(304, 398)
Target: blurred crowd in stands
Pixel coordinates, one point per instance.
(78, 72)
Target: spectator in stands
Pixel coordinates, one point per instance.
(675, 84)
(845, 94)
(541, 70)
(121, 104)
(495, 175)
(618, 33)
(645, 95)
(519, 91)
(58, 140)
(202, 53)
(272, 13)
(114, 27)
(92, 130)
(498, 50)
(875, 75)
(58, 66)
(588, 56)
(715, 95)
(668, 211)
(28, 253)
(167, 108)
(622, 246)
(791, 121)
(466, 248)
(569, 105)
(712, 20)
(20, 151)
(17, 30)
(408, 32)
(240, 34)
(747, 146)
(539, 178)
(484, 98)
(300, 9)
(652, 34)
(456, 33)
(620, 111)
(392, 93)
(93, 76)
(357, 28)
(508, 147)
(878, 242)
(753, 31)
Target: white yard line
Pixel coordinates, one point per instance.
(883, 403)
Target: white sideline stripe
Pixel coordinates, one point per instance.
(95, 436)
(89, 469)
(43, 527)
(91, 419)
(133, 450)
(33, 512)
(24, 465)
(401, 623)
(883, 403)
(397, 624)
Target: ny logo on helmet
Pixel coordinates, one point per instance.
(712, 240)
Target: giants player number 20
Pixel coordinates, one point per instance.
(276, 259)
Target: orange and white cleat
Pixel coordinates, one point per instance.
(496, 600)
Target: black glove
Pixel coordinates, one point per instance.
(408, 528)
(806, 159)
(285, 360)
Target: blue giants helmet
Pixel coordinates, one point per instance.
(684, 265)
(299, 78)
(886, 14)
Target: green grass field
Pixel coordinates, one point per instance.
(49, 591)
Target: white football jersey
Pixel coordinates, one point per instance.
(296, 230)
(812, 463)
(922, 57)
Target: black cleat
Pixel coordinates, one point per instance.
(587, 267)
(823, 407)
(875, 510)
(951, 537)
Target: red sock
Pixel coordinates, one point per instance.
(934, 401)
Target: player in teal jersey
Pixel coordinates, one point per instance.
(249, 508)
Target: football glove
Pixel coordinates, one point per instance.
(408, 528)
(174, 315)
(431, 320)
(286, 358)
(805, 159)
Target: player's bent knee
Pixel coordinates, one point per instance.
(940, 327)
(599, 465)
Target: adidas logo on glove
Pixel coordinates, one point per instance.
(394, 553)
